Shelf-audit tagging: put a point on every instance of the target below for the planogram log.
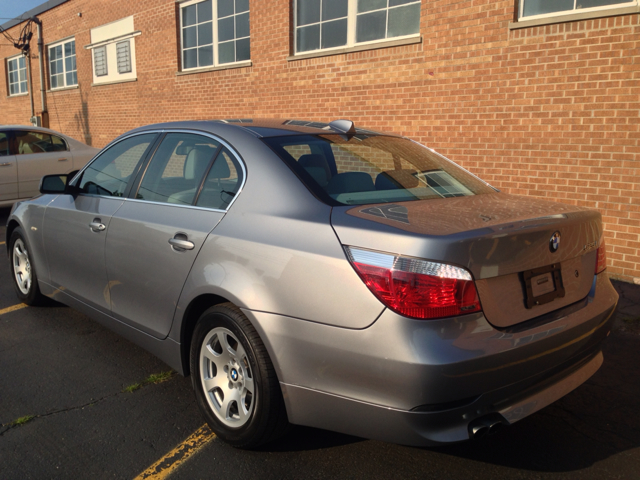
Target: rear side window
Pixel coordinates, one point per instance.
(222, 183)
(177, 169)
(38, 142)
(111, 171)
(357, 170)
(4, 144)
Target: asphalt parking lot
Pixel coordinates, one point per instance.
(77, 401)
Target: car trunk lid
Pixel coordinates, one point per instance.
(504, 240)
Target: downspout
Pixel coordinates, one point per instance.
(43, 99)
(27, 59)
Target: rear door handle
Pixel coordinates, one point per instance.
(62, 159)
(182, 244)
(5, 164)
(97, 225)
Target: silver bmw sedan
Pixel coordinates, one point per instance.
(323, 275)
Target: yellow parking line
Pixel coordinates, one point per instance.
(12, 309)
(2, 243)
(176, 457)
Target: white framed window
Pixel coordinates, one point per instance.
(533, 9)
(17, 73)
(62, 64)
(114, 52)
(214, 32)
(327, 24)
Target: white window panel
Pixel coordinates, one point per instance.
(62, 64)
(100, 62)
(214, 32)
(532, 9)
(123, 52)
(17, 75)
(117, 40)
(330, 24)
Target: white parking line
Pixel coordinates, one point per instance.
(12, 309)
(176, 457)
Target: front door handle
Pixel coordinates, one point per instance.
(97, 225)
(62, 159)
(181, 244)
(5, 164)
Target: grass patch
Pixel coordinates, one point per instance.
(159, 377)
(22, 420)
(132, 388)
(151, 379)
(631, 320)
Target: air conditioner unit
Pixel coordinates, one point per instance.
(36, 121)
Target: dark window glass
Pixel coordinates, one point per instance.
(308, 38)
(308, 12)
(243, 50)
(369, 5)
(4, 144)
(110, 172)
(225, 8)
(242, 6)
(539, 7)
(373, 169)
(334, 34)
(404, 20)
(332, 9)
(371, 26)
(177, 169)
(222, 183)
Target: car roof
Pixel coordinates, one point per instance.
(30, 127)
(266, 127)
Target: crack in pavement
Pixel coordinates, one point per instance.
(11, 426)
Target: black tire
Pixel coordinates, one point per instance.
(245, 375)
(20, 265)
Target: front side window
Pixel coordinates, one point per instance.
(17, 70)
(111, 171)
(373, 169)
(28, 142)
(62, 65)
(543, 8)
(214, 32)
(326, 24)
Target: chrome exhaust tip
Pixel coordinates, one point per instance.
(486, 425)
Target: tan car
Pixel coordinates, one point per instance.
(29, 153)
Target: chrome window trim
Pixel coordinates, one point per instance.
(172, 130)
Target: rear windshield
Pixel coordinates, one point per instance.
(358, 170)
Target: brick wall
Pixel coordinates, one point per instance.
(543, 111)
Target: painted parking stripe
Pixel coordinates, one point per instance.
(176, 457)
(12, 309)
(2, 243)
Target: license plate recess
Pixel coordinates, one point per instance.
(543, 285)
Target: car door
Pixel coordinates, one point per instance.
(75, 226)
(155, 236)
(8, 169)
(37, 155)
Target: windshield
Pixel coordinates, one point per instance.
(358, 170)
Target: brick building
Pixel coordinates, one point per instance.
(537, 102)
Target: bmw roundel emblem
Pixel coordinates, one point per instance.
(554, 243)
(234, 374)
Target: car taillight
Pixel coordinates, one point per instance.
(601, 258)
(416, 288)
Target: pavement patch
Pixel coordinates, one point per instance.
(180, 454)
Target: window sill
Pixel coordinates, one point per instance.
(73, 87)
(573, 17)
(358, 48)
(18, 95)
(113, 82)
(215, 69)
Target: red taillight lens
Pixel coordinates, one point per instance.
(601, 258)
(416, 288)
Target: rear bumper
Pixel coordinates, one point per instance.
(422, 382)
(322, 410)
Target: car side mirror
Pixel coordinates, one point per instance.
(58, 184)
